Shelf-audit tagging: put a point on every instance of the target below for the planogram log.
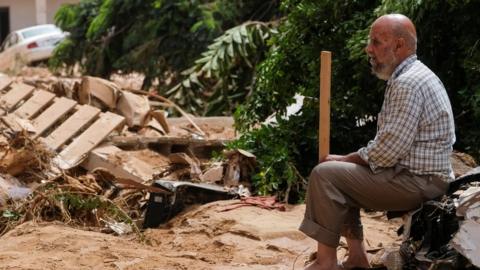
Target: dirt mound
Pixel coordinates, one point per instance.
(203, 237)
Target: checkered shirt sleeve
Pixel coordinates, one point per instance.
(415, 125)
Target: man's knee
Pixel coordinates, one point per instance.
(325, 170)
(323, 174)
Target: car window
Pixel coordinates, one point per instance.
(40, 31)
(13, 39)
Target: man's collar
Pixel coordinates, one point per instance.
(402, 67)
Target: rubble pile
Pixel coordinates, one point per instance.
(105, 181)
(443, 234)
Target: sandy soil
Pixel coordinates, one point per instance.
(201, 238)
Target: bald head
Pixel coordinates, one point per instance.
(401, 27)
(392, 39)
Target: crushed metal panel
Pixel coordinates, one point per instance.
(18, 92)
(470, 176)
(162, 207)
(467, 241)
(77, 151)
(33, 105)
(52, 114)
(84, 115)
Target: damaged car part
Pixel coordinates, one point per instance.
(162, 207)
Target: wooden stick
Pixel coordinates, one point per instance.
(324, 108)
(166, 100)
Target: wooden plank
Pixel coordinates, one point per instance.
(4, 82)
(71, 126)
(18, 92)
(77, 151)
(33, 105)
(143, 142)
(17, 124)
(324, 117)
(52, 114)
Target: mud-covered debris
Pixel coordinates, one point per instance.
(468, 204)
(462, 163)
(66, 88)
(182, 160)
(240, 166)
(162, 207)
(429, 243)
(265, 202)
(161, 118)
(134, 108)
(98, 92)
(11, 189)
(23, 155)
(5, 81)
(213, 174)
(85, 201)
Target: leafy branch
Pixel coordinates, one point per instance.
(223, 76)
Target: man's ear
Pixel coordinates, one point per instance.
(400, 44)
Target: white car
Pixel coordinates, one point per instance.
(29, 45)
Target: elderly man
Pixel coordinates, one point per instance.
(405, 164)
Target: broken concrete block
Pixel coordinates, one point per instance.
(134, 108)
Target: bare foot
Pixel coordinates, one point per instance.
(319, 266)
(351, 262)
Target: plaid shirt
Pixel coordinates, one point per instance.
(415, 127)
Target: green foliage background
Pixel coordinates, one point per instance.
(211, 55)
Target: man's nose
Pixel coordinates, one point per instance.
(368, 48)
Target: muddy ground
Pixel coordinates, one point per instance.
(202, 237)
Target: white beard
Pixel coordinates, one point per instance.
(384, 71)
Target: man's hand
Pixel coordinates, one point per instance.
(334, 158)
(352, 158)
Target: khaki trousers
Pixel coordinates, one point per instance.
(337, 190)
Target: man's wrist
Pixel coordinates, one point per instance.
(355, 158)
